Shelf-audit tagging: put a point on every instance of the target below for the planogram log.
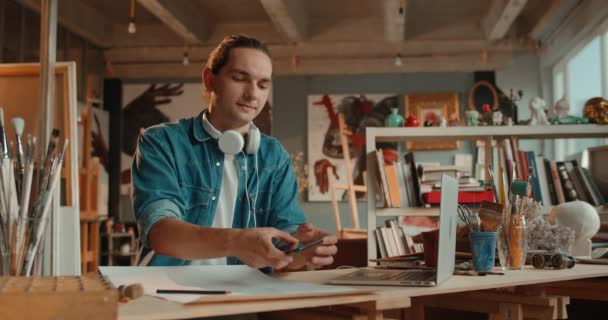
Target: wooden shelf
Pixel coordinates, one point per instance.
(412, 211)
(385, 134)
(376, 135)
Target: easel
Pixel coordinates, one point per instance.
(346, 233)
(89, 217)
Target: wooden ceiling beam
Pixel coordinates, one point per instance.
(183, 17)
(500, 16)
(80, 19)
(394, 19)
(321, 50)
(289, 18)
(283, 66)
(543, 18)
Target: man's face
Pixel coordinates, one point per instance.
(240, 89)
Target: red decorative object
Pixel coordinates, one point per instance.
(487, 108)
(412, 121)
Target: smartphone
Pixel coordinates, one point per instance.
(305, 246)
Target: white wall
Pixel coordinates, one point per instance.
(523, 74)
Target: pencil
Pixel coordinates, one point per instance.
(174, 291)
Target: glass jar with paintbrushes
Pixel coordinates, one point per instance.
(517, 229)
(27, 186)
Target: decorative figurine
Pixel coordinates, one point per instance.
(472, 118)
(453, 120)
(394, 119)
(596, 110)
(561, 116)
(412, 121)
(487, 115)
(497, 118)
(537, 112)
(442, 122)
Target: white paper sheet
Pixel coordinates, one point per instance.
(243, 282)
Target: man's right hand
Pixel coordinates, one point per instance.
(255, 248)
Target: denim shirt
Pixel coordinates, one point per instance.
(177, 173)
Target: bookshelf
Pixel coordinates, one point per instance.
(376, 135)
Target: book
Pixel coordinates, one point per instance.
(550, 185)
(557, 182)
(434, 197)
(402, 181)
(601, 200)
(380, 243)
(523, 165)
(570, 193)
(577, 181)
(409, 159)
(536, 189)
(393, 185)
(382, 178)
(543, 182)
(390, 242)
(509, 162)
(392, 225)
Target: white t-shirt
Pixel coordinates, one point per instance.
(224, 212)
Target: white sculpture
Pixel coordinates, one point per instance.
(497, 118)
(537, 111)
(561, 108)
(583, 219)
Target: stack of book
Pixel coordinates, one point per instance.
(393, 241)
(404, 184)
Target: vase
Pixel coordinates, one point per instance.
(394, 119)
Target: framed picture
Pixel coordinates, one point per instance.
(429, 109)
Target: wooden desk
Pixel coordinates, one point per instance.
(372, 305)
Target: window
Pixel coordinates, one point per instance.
(582, 75)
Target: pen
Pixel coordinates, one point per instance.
(165, 291)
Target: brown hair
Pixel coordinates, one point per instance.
(219, 56)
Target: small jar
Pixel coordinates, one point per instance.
(518, 243)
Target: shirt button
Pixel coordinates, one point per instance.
(217, 164)
(213, 198)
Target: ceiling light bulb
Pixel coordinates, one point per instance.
(132, 29)
(186, 59)
(398, 62)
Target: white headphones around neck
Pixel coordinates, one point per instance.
(232, 142)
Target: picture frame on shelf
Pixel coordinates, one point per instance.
(430, 108)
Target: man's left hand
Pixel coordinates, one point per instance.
(317, 256)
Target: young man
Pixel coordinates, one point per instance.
(199, 196)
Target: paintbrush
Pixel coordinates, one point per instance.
(5, 152)
(48, 161)
(18, 126)
(41, 225)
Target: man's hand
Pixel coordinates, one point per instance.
(317, 256)
(255, 248)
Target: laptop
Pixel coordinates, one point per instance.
(445, 256)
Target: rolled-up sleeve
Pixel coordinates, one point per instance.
(156, 192)
(286, 214)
